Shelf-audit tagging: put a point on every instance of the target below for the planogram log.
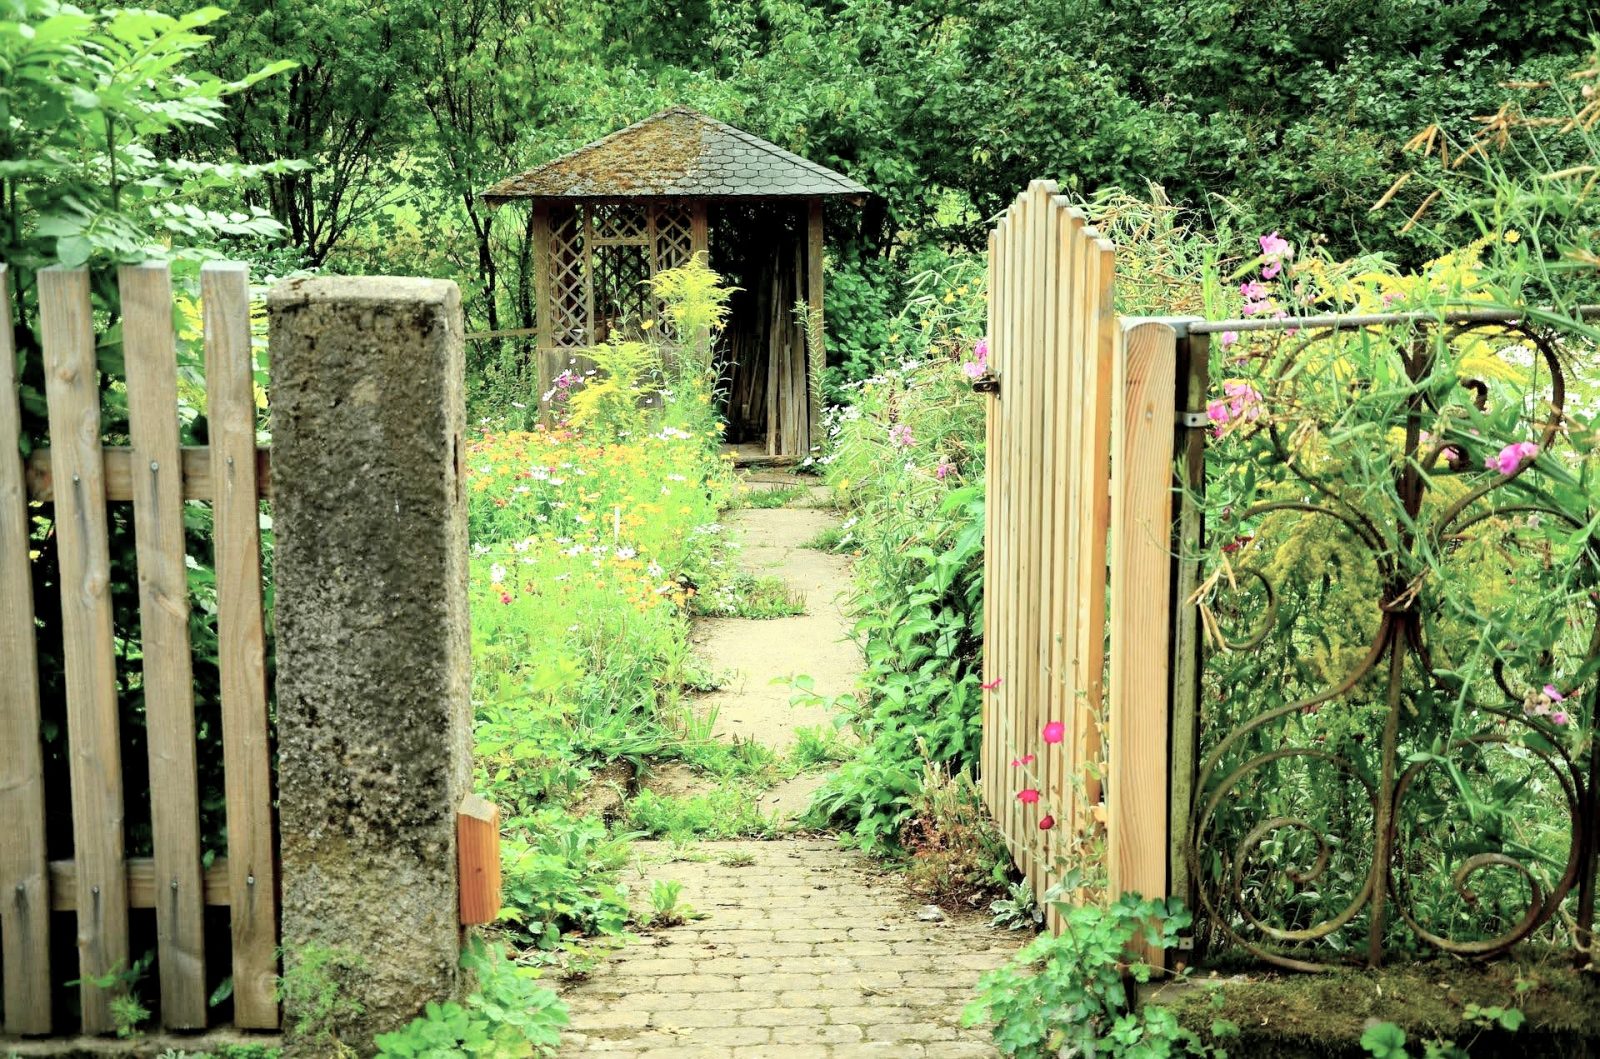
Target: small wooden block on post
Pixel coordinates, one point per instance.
(478, 859)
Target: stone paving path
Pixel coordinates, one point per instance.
(802, 949)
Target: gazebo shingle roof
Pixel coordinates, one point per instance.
(676, 153)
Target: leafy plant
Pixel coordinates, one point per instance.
(1065, 993)
(665, 909)
(563, 879)
(315, 987)
(508, 1015)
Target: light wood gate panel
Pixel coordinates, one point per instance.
(1059, 544)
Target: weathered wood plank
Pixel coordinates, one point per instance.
(150, 349)
(119, 473)
(1143, 394)
(989, 767)
(1095, 513)
(73, 394)
(24, 893)
(225, 299)
(140, 873)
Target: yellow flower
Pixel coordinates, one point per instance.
(1512, 236)
(648, 324)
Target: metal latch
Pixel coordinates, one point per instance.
(1193, 420)
(988, 382)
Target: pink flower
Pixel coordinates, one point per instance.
(1558, 718)
(1229, 338)
(1552, 694)
(505, 597)
(944, 468)
(900, 435)
(1274, 248)
(1253, 291)
(992, 685)
(1046, 822)
(1240, 403)
(1027, 796)
(1054, 732)
(974, 368)
(1512, 457)
(1025, 759)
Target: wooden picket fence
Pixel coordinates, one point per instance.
(1079, 573)
(78, 476)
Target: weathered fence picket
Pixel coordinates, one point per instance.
(24, 875)
(78, 475)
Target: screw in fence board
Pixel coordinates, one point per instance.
(24, 878)
(149, 348)
(241, 643)
(73, 394)
(1193, 367)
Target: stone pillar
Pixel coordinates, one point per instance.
(373, 650)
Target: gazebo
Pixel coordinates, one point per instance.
(610, 215)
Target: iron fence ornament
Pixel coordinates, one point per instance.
(1283, 882)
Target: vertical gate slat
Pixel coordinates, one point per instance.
(77, 466)
(1016, 370)
(988, 747)
(231, 412)
(1095, 511)
(999, 469)
(1143, 394)
(1022, 482)
(24, 874)
(1047, 702)
(1075, 408)
(150, 351)
(1052, 599)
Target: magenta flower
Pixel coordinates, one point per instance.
(1240, 403)
(1229, 338)
(1046, 822)
(981, 350)
(900, 436)
(1253, 291)
(1511, 458)
(1054, 732)
(1559, 718)
(1025, 759)
(944, 468)
(1027, 796)
(973, 369)
(1552, 694)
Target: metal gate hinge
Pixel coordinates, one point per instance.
(988, 382)
(1193, 420)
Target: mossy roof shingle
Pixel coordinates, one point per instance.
(676, 153)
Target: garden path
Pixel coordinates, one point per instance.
(802, 949)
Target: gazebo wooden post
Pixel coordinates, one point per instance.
(816, 351)
(543, 305)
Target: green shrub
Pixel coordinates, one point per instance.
(507, 1016)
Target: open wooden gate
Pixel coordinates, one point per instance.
(1079, 615)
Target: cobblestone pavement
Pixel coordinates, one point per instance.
(805, 950)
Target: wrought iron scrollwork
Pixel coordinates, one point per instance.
(1309, 856)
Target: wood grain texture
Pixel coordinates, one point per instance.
(24, 883)
(816, 351)
(230, 396)
(118, 462)
(142, 889)
(988, 766)
(73, 394)
(478, 860)
(150, 350)
(1143, 394)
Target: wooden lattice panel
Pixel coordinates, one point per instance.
(568, 281)
(621, 287)
(620, 223)
(674, 236)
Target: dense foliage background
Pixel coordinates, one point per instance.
(1288, 114)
